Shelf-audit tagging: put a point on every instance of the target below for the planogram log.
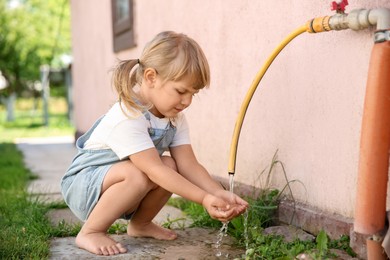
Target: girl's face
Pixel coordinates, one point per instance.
(171, 97)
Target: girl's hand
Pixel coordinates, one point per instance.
(217, 208)
(221, 209)
(238, 204)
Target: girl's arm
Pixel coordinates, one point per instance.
(192, 170)
(149, 162)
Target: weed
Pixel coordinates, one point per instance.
(118, 228)
(180, 222)
(343, 244)
(64, 229)
(322, 244)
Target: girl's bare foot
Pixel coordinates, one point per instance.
(99, 244)
(150, 230)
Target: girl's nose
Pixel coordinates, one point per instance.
(186, 100)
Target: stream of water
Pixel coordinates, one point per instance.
(223, 231)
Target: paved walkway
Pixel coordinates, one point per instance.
(49, 158)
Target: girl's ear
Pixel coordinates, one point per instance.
(150, 76)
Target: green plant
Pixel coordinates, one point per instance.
(64, 229)
(265, 188)
(343, 244)
(24, 226)
(118, 228)
(322, 244)
(170, 222)
(267, 247)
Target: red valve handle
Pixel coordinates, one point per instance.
(339, 7)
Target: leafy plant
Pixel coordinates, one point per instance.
(118, 228)
(322, 243)
(343, 244)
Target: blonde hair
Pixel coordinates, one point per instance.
(173, 55)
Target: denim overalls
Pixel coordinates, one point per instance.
(82, 182)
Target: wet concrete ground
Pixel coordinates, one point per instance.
(192, 243)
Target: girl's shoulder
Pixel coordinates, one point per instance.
(121, 112)
(117, 116)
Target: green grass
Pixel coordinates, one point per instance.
(22, 221)
(25, 229)
(29, 121)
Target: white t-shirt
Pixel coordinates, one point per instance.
(127, 135)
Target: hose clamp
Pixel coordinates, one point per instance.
(382, 36)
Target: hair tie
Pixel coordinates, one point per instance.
(138, 61)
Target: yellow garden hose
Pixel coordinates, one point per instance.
(251, 91)
(315, 25)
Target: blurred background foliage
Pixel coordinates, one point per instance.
(32, 33)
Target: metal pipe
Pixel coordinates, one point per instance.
(361, 18)
(358, 19)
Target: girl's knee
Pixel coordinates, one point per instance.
(140, 180)
(126, 172)
(169, 161)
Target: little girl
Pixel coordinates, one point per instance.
(121, 170)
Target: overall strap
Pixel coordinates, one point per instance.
(146, 115)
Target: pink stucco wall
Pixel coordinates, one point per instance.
(308, 106)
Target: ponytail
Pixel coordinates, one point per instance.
(124, 81)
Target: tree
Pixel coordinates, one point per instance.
(32, 33)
